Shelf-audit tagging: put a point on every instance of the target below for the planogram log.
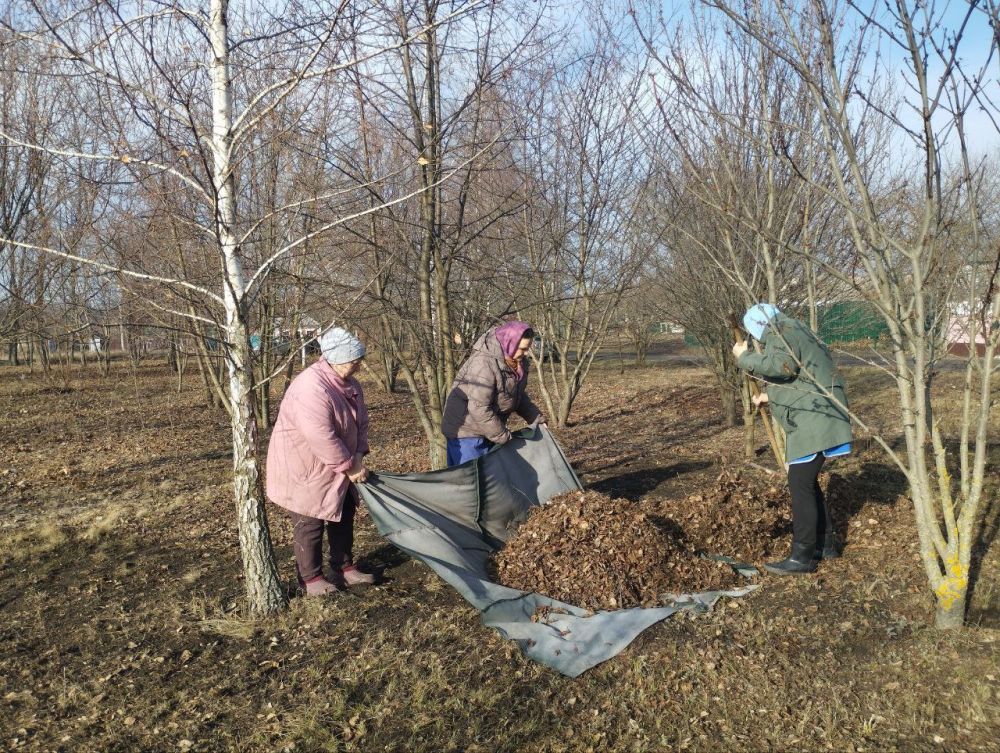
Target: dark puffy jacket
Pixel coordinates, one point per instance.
(486, 391)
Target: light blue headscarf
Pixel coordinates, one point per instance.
(757, 317)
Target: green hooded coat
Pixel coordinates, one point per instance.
(793, 363)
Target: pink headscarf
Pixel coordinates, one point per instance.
(509, 336)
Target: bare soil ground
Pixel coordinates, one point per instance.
(122, 626)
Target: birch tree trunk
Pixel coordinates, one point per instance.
(264, 592)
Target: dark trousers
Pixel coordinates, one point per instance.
(307, 537)
(811, 519)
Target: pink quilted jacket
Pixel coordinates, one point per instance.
(321, 424)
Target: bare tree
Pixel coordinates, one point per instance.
(638, 314)
(439, 101)
(29, 200)
(898, 231)
(694, 292)
(180, 92)
(584, 170)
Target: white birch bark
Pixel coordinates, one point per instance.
(264, 592)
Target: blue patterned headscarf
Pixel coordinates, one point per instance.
(757, 317)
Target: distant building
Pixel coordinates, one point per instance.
(662, 328)
(959, 327)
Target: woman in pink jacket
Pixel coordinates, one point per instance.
(315, 457)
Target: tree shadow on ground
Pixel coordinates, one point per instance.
(608, 449)
(875, 483)
(641, 402)
(650, 399)
(987, 615)
(387, 557)
(871, 384)
(636, 484)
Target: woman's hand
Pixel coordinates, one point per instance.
(357, 473)
(739, 349)
(759, 399)
(503, 438)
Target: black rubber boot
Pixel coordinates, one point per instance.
(830, 549)
(801, 560)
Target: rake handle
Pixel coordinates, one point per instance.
(754, 392)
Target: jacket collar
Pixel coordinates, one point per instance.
(490, 346)
(347, 386)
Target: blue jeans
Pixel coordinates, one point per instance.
(463, 449)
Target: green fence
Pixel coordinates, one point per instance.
(850, 321)
(844, 322)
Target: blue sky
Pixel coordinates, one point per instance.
(983, 136)
(975, 50)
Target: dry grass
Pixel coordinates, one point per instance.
(32, 542)
(128, 632)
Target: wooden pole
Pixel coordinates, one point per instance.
(765, 416)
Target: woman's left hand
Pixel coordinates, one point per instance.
(739, 349)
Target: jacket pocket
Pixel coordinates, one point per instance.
(782, 415)
(309, 466)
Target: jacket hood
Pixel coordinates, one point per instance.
(489, 345)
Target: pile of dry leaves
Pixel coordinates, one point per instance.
(601, 553)
(739, 516)
(744, 516)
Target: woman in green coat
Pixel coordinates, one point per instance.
(806, 395)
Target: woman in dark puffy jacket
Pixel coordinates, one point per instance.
(488, 388)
